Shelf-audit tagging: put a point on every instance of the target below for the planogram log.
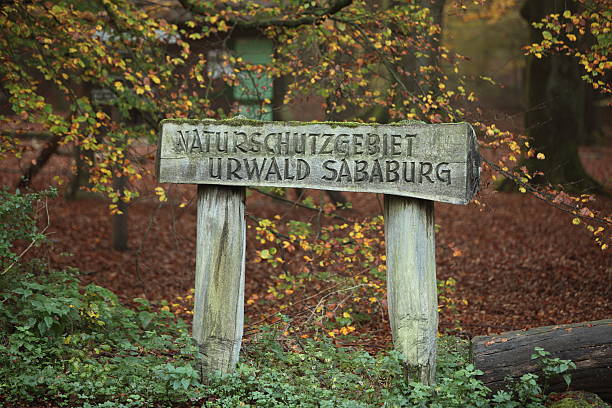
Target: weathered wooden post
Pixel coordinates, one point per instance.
(219, 288)
(411, 282)
(412, 163)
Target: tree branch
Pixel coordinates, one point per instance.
(543, 196)
(295, 203)
(315, 17)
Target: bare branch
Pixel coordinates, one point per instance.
(313, 18)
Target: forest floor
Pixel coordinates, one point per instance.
(518, 261)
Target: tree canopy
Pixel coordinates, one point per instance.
(100, 75)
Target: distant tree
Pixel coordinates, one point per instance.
(65, 66)
(568, 47)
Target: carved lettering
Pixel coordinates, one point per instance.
(342, 144)
(255, 144)
(376, 172)
(396, 145)
(288, 175)
(221, 146)
(390, 159)
(282, 143)
(344, 172)
(313, 142)
(254, 169)
(373, 143)
(196, 143)
(444, 175)
(425, 170)
(300, 143)
(327, 165)
(273, 170)
(303, 169)
(384, 144)
(207, 138)
(244, 140)
(357, 143)
(391, 167)
(182, 141)
(211, 167)
(325, 149)
(409, 145)
(231, 170)
(361, 170)
(405, 171)
(267, 141)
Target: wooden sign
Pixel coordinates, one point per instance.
(434, 162)
(412, 163)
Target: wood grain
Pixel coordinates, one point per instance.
(411, 282)
(587, 344)
(218, 316)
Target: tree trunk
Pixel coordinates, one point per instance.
(556, 100)
(588, 345)
(37, 164)
(81, 177)
(120, 221)
(419, 83)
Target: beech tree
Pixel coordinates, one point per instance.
(566, 40)
(100, 75)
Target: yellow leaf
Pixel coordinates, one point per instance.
(576, 221)
(155, 79)
(541, 156)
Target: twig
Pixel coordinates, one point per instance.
(542, 195)
(316, 17)
(31, 243)
(250, 326)
(294, 203)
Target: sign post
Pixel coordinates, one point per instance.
(412, 163)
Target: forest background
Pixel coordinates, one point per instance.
(85, 86)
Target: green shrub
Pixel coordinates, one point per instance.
(66, 343)
(17, 224)
(81, 347)
(78, 346)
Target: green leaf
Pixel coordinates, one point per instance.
(145, 318)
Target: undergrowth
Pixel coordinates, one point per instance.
(74, 346)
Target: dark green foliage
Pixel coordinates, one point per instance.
(79, 347)
(65, 343)
(18, 224)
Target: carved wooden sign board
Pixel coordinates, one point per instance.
(434, 162)
(412, 163)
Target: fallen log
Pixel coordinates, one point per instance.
(588, 345)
